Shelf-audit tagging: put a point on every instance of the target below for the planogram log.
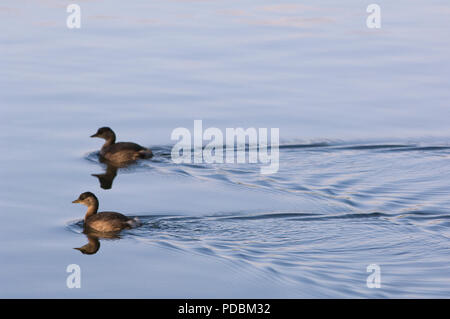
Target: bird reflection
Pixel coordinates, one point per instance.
(106, 179)
(93, 245)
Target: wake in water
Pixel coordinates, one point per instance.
(362, 178)
(383, 202)
(393, 179)
(294, 248)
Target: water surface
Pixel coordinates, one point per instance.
(364, 159)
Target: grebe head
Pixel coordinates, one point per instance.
(88, 199)
(105, 133)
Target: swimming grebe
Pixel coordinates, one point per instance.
(121, 152)
(104, 221)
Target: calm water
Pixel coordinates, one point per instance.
(364, 159)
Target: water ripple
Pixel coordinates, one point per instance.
(386, 203)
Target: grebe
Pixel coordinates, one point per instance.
(121, 152)
(104, 221)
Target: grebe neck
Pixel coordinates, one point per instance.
(92, 209)
(110, 141)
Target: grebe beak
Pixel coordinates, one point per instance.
(95, 135)
(76, 201)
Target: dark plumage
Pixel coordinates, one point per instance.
(91, 247)
(104, 221)
(106, 179)
(121, 152)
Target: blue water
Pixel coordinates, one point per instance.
(364, 172)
